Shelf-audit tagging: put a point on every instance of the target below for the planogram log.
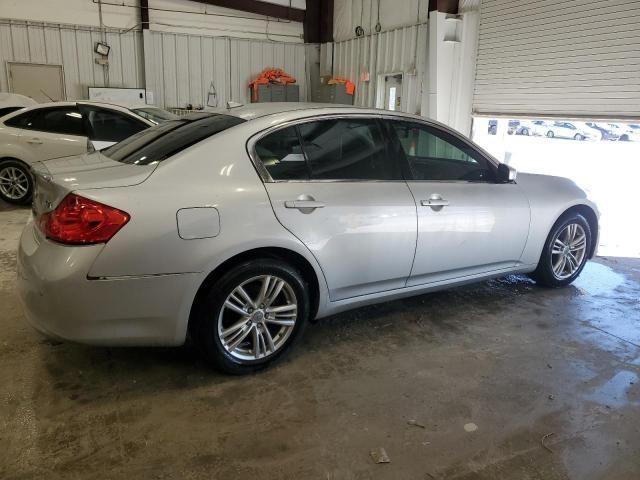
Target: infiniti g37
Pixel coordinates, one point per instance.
(237, 229)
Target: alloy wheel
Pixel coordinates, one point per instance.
(14, 183)
(568, 251)
(257, 317)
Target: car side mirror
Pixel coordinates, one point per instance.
(506, 174)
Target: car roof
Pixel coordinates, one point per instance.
(71, 103)
(260, 110)
(15, 100)
(79, 102)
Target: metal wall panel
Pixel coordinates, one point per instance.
(72, 47)
(184, 67)
(385, 53)
(569, 58)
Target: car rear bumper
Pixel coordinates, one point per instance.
(62, 303)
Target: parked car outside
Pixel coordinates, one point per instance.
(606, 131)
(630, 133)
(512, 126)
(59, 129)
(493, 127)
(235, 230)
(10, 102)
(568, 130)
(531, 128)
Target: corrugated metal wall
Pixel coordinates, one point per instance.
(180, 68)
(72, 47)
(385, 53)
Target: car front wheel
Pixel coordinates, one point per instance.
(16, 183)
(577, 136)
(251, 316)
(550, 134)
(565, 252)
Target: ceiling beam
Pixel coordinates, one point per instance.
(260, 8)
(318, 21)
(144, 14)
(445, 6)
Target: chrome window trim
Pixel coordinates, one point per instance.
(266, 177)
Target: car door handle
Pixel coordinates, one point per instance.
(34, 141)
(303, 204)
(434, 202)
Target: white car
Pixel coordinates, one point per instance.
(10, 102)
(532, 128)
(60, 129)
(568, 130)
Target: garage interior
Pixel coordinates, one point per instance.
(501, 379)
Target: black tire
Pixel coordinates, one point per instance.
(577, 136)
(544, 275)
(550, 134)
(26, 198)
(205, 335)
(525, 131)
(624, 138)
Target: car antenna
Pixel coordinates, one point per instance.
(45, 94)
(231, 105)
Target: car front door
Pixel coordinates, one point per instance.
(468, 224)
(334, 185)
(50, 132)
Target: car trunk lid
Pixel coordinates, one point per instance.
(55, 178)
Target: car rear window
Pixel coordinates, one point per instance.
(158, 143)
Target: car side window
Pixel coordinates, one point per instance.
(281, 154)
(111, 126)
(348, 149)
(65, 120)
(435, 155)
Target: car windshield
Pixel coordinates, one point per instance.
(158, 143)
(155, 115)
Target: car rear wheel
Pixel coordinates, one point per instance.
(16, 183)
(550, 134)
(251, 316)
(624, 138)
(577, 136)
(565, 252)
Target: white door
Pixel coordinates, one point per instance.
(345, 199)
(50, 132)
(43, 83)
(467, 223)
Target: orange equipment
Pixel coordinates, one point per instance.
(349, 86)
(270, 75)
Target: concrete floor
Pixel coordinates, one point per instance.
(517, 361)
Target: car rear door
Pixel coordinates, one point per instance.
(335, 186)
(51, 132)
(467, 223)
(107, 126)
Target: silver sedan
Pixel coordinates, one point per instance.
(236, 229)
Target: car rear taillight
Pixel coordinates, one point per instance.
(80, 221)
